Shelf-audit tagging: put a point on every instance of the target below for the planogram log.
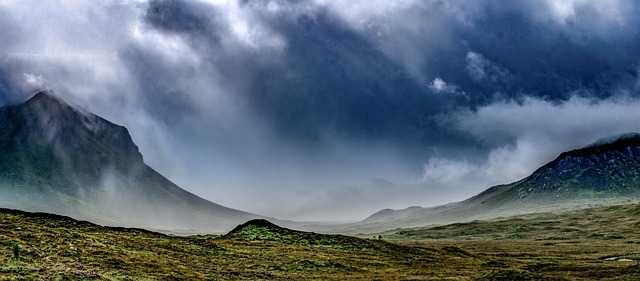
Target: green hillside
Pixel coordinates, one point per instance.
(59, 248)
(593, 244)
(60, 159)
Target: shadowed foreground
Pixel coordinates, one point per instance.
(584, 245)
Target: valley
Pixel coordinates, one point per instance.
(574, 218)
(604, 173)
(319, 140)
(580, 245)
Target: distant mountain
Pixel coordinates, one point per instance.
(606, 172)
(610, 165)
(60, 159)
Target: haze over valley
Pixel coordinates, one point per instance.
(334, 110)
(319, 140)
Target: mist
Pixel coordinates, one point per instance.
(333, 110)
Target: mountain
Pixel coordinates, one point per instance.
(610, 165)
(60, 159)
(606, 172)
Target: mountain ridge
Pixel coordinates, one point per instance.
(604, 165)
(59, 159)
(606, 172)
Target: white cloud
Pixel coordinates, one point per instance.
(33, 80)
(403, 30)
(216, 2)
(247, 27)
(438, 85)
(480, 68)
(527, 135)
(583, 19)
(439, 172)
(170, 47)
(572, 122)
(565, 10)
(476, 65)
(360, 13)
(71, 27)
(441, 87)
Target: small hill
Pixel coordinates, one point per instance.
(60, 159)
(40, 246)
(263, 230)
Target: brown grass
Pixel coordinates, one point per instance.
(571, 246)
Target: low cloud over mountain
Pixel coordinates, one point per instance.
(282, 107)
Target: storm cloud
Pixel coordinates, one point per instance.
(332, 110)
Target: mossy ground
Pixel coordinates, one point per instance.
(59, 248)
(590, 244)
(573, 246)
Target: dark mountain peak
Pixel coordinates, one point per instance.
(58, 158)
(46, 97)
(625, 137)
(621, 142)
(47, 105)
(47, 136)
(610, 164)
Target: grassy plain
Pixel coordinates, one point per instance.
(589, 244)
(601, 243)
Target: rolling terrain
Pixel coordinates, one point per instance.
(59, 159)
(598, 243)
(589, 244)
(56, 247)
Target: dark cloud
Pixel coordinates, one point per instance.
(194, 19)
(251, 103)
(5, 90)
(329, 79)
(11, 34)
(339, 83)
(160, 83)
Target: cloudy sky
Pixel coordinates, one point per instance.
(335, 109)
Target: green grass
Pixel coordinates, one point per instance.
(567, 246)
(614, 222)
(59, 248)
(262, 230)
(570, 246)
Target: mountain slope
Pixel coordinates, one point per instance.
(56, 158)
(612, 166)
(604, 173)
